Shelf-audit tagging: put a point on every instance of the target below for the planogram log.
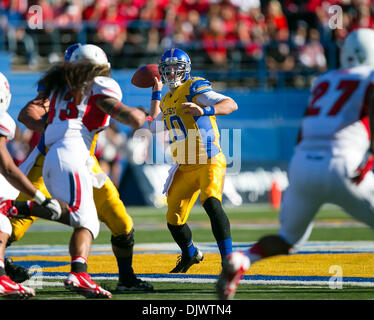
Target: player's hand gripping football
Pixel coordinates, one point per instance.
(157, 85)
(365, 166)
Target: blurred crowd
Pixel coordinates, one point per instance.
(280, 37)
(218, 34)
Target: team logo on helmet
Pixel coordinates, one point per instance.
(69, 51)
(358, 49)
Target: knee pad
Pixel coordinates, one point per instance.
(124, 241)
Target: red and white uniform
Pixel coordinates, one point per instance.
(69, 136)
(335, 138)
(7, 191)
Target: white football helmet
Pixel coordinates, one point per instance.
(5, 95)
(358, 49)
(91, 53)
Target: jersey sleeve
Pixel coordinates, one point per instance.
(198, 86)
(209, 98)
(7, 126)
(105, 86)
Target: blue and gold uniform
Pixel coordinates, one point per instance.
(194, 144)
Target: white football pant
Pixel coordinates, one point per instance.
(67, 178)
(316, 178)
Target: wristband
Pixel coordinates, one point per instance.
(39, 197)
(149, 118)
(156, 95)
(209, 111)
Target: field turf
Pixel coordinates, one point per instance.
(248, 224)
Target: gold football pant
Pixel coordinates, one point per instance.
(109, 206)
(189, 180)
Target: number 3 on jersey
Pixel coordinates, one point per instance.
(347, 87)
(71, 111)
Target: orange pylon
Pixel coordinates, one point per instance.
(275, 195)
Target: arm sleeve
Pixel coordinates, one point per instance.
(107, 87)
(209, 98)
(7, 126)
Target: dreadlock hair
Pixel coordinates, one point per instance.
(75, 76)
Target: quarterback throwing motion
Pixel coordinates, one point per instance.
(188, 112)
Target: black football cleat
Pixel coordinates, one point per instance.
(132, 283)
(184, 263)
(15, 272)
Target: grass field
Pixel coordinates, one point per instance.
(248, 224)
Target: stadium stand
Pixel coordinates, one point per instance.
(280, 42)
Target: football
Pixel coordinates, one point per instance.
(143, 77)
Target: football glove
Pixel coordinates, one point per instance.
(54, 207)
(8, 209)
(51, 204)
(365, 166)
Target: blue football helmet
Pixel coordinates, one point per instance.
(177, 61)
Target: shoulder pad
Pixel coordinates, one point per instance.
(7, 125)
(106, 86)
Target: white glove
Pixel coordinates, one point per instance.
(51, 204)
(54, 207)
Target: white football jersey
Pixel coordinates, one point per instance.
(7, 129)
(337, 113)
(66, 119)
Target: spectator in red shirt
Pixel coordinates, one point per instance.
(214, 43)
(94, 12)
(112, 34)
(229, 16)
(201, 6)
(275, 16)
(68, 14)
(364, 18)
(128, 9)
